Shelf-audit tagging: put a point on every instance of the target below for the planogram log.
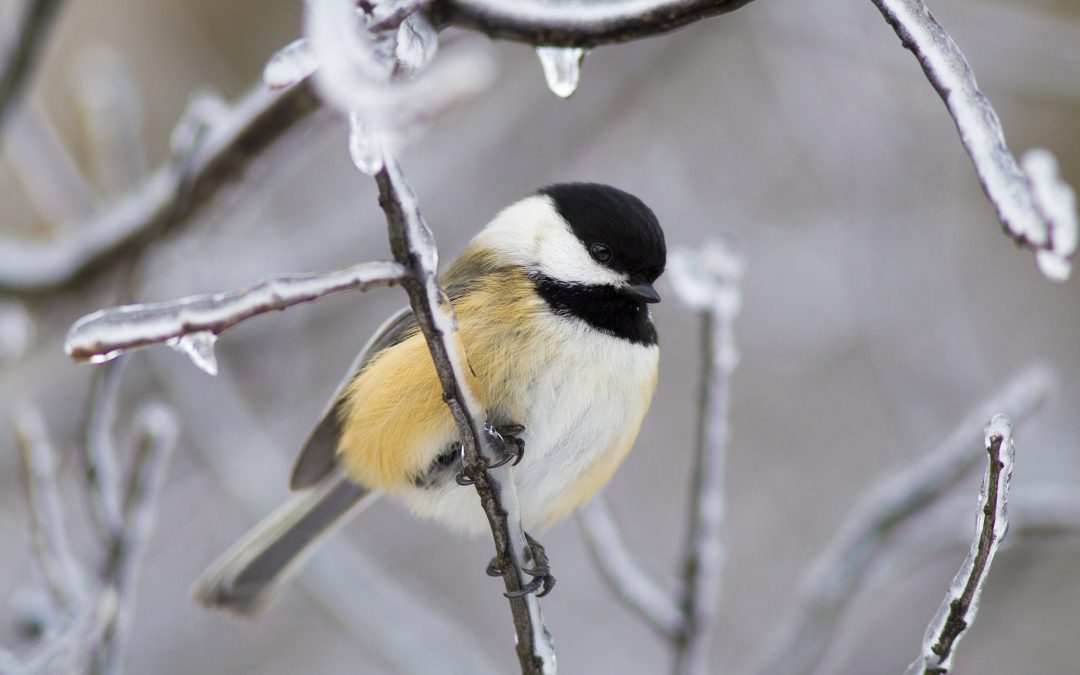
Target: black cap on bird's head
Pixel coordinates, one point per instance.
(617, 229)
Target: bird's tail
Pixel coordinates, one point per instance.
(247, 577)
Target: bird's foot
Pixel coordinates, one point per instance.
(506, 441)
(542, 582)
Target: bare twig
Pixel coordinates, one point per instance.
(413, 245)
(107, 333)
(624, 574)
(19, 61)
(577, 23)
(155, 433)
(961, 604)
(838, 572)
(707, 281)
(62, 570)
(1034, 206)
(174, 192)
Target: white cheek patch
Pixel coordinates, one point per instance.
(531, 233)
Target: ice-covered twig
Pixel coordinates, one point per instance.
(107, 333)
(62, 570)
(171, 194)
(707, 280)
(18, 62)
(1035, 207)
(961, 604)
(102, 471)
(155, 428)
(577, 23)
(835, 576)
(622, 571)
(413, 245)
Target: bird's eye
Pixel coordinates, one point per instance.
(600, 253)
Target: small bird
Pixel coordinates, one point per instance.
(552, 302)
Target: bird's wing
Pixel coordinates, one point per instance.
(319, 456)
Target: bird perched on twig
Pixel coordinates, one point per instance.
(552, 304)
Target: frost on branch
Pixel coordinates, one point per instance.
(961, 604)
(191, 324)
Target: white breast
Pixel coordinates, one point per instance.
(587, 403)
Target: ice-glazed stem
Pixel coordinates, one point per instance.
(107, 333)
(961, 603)
(1034, 206)
(837, 574)
(413, 245)
(578, 23)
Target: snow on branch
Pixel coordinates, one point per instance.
(1036, 208)
(577, 23)
(218, 152)
(107, 333)
(414, 246)
(837, 574)
(961, 604)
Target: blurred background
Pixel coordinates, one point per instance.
(881, 303)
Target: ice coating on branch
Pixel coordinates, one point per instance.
(16, 330)
(365, 145)
(204, 110)
(961, 605)
(199, 347)
(1056, 200)
(705, 278)
(290, 64)
(417, 43)
(562, 68)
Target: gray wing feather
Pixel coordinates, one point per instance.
(319, 456)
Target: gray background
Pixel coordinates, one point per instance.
(881, 303)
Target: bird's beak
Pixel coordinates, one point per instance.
(643, 292)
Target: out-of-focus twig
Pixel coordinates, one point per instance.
(1036, 208)
(171, 194)
(102, 470)
(577, 23)
(62, 570)
(18, 63)
(107, 333)
(838, 572)
(961, 603)
(155, 429)
(624, 573)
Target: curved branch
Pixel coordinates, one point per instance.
(173, 193)
(1035, 207)
(577, 24)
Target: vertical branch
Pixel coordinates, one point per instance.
(720, 269)
(413, 245)
(62, 571)
(102, 472)
(961, 604)
(155, 438)
(19, 61)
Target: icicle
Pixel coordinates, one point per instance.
(562, 68)
(291, 64)
(365, 145)
(199, 347)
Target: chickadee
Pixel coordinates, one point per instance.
(551, 300)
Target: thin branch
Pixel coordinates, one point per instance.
(833, 579)
(413, 245)
(107, 333)
(576, 23)
(155, 433)
(708, 281)
(102, 471)
(20, 60)
(1035, 207)
(173, 193)
(623, 573)
(961, 604)
(62, 570)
